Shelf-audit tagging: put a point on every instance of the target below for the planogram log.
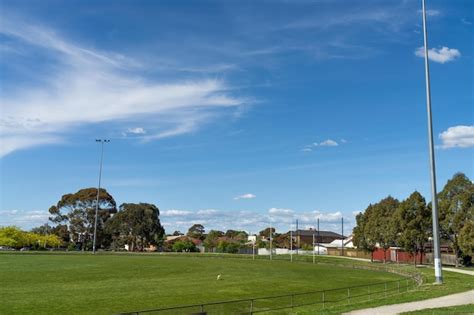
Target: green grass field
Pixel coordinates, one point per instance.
(83, 283)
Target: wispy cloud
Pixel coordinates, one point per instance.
(135, 131)
(325, 143)
(466, 22)
(439, 55)
(245, 196)
(24, 219)
(431, 12)
(87, 86)
(457, 137)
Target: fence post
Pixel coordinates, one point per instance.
(407, 284)
(202, 308)
(385, 289)
(348, 296)
(368, 289)
(251, 307)
(291, 301)
(398, 283)
(323, 299)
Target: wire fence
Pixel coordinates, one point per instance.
(319, 300)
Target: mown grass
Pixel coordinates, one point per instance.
(105, 283)
(453, 283)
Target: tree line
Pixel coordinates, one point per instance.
(408, 223)
(136, 225)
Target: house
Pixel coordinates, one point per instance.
(305, 237)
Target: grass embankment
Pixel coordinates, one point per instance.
(107, 283)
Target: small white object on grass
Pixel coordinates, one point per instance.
(218, 277)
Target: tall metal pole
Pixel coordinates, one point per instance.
(342, 234)
(102, 141)
(434, 203)
(297, 238)
(291, 242)
(313, 249)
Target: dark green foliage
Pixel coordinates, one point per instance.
(184, 246)
(456, 208)
(137, 225)
(77, 212)
(413, 222)
(196, 231)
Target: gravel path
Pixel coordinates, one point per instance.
(444, 301)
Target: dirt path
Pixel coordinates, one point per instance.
(444, 301)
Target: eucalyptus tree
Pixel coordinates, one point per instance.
(137, 225)
(456, 205)
(412, 222)
(76, 211)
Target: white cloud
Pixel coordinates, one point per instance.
(325, 143)
(440, 55)
(466, 22)
(457, 137)
(245, 196)
(23, 219)
(135, 131)
(431, 12)
(207, 212)
(175, 213)
(87, 87)
(329, 143)
(280, 211)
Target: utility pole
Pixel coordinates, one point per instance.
(313, 249)
(319, 241)
(434, 202)
(297, 238)
(102, 142)
(291, 242)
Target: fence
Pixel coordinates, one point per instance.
(446, 259)
(318, 299)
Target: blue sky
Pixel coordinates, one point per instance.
(233, 114)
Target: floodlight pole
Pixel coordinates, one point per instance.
(434, 203)
(102, 141)
(313, 249)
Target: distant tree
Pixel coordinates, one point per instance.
(266, 232)
(184, 246)
(14, 237)
(177, 233)
(137, 225)
(466, 239)
(456, 208)
(228, 247)
(362, 235)
(211, 239)
(44, 229)
(77, 212)
(413, 221)
(380, 223)
(196, 231)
